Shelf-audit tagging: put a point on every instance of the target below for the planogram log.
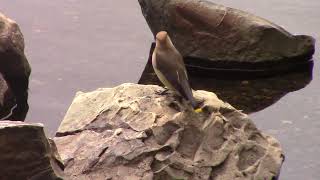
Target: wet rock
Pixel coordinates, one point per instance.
(14, 65)
(221, 37)
(133, 132)
(26, 153)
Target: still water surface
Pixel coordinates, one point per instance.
(77, 45)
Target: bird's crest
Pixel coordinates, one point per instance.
(162, 36)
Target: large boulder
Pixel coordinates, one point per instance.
(133, 132)
(219, 36)
(26, 153)
(14, 65)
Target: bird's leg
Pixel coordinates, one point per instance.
(164, 92)
(179, 98)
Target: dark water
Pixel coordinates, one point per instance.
(77, 45)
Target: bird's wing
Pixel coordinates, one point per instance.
(175, 73)
(181, 63)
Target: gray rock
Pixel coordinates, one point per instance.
(132, 132)
(209, 31)
(26, 153)
(14, 65)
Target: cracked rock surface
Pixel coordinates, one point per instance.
(133, 132)
(27, 154)
(205, 30)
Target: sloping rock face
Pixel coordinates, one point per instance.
(14, 65)
(26, 153)
(133, 132)
(208, 31)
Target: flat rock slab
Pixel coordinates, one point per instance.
(216, 36)
(133, 132)
(26, 153)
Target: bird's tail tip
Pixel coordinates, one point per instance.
(198, 110)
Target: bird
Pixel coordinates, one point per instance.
(169, 67)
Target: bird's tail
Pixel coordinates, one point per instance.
(187, 93)
(198, 110)
(195, 105)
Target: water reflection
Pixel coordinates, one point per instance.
(242, 89)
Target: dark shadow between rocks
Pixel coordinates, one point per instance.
(6, 98)
(8, 104)
(250, 90)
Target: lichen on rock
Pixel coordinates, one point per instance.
(133, 132)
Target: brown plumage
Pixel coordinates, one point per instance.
(169, 66)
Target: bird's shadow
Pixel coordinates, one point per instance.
(250, 91)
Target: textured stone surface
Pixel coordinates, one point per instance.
(133, 132)
(26, 153)
(206, 30)
(13, 65)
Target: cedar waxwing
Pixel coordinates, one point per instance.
(169, 66)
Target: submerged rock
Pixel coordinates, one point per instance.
(133, 132)
(14, 65)
(223, 37)
(26, 153)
